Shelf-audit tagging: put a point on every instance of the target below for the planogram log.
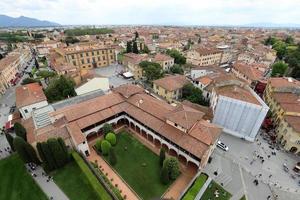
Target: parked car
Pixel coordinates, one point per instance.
(285, 168)
(222, 146)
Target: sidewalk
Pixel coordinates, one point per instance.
(49, 188)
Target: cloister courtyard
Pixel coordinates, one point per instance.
(137, 166)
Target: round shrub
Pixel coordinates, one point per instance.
(111, 138)
(172, 165)
(105, 147)
(98, 145)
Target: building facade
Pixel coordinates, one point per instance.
(204, 56)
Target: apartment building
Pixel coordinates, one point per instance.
(88, 56)
(170, 87)
(249, 72)
(283, 97)
(131, 62)
(204, 56)
(165, 61)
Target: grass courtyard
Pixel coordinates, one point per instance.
(16, 183)
(74, 183)
(138, 166)
(209, 193)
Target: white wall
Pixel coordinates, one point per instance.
(30, 108)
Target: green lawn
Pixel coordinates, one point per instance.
(74, 183)
(139, 167)
(209, 192)
(16, 183)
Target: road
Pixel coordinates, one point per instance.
(237, 174)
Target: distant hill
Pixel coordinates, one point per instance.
(6, 21)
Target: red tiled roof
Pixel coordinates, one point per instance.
(29, 94)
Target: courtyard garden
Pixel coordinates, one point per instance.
(141, 168)
(215, 191)
(78, 182)
(16, 183)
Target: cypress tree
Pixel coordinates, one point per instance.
(162, 156)
(135, 48)
(112, 157)
(48, 156)
(10, 141)
(32, 153)
(19, 145)
(64, 148)
(41, 153)
(164, 175)
(20, 130)
(57, 152)
(129, 47)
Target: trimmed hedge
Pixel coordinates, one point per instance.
(196, 187)
(100, 191)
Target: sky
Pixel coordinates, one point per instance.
(156, 12)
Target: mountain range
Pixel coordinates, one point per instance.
(7, 21)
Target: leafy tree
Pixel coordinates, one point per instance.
(36, 63)
(178, 57)
(281, 49)
(29, 80)
(172, 166)
(111, 138)
(112, 157)
(46, 74)
(60, 88)
(152, 70)
(10, 141)
(98, 144)
(164, 176)
(162, 156)
(63, 145)
(135, 48)
(145, 49)
(20, 130)
(88, 31)
(129, 47)
(25, 150)
(105, 147)
(193, 94)
(293, 60)
(279, 68)
(289, 40)
(177, 69)
(71, 40)
(107, 128)
(270, 41)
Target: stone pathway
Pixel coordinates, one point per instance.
(203, 189)
(49, 188)
(111, 174)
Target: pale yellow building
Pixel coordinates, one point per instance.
(204, 56)
(283, 97)
(131, 62)
(165, 61)
(88, 56)
(170, 87)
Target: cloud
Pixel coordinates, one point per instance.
(187, 12)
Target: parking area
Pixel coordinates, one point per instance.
(112, 73)
(245, 162)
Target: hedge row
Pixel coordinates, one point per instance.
(196, 187)
(100, 191)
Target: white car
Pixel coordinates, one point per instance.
(222, 146)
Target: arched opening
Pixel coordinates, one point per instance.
(172, 152)
(126, 121)
(164, 146)
(150, 138)
(91, 136)
(192, 166)
(157, 143)
(182, 159)
(137, 129)
(132, 125)
(144, 134)
(293, 150)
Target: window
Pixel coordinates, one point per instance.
(111, 57)
(157, 87)
(81, 55)
(175, 124)
(98, 58)
(92, 53)
(103, 57)
(74, 63)
(82, 61)
(73, 57)
(94, 60)
(97, 52)
(102, 51)
(83, 142)
(88, 60)
(166, 91)
(87, 54)
(110, 51)
(26, 111)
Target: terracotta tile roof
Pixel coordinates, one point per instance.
(135, 58)
(237, 92)
(162, 57)
(289, 102)
(205, 80)
(205, 109)
(29, 94)
(184, 116)
(75, 133)
(284, 82)
(128, 90)
(207, 51)
(293, 121)
(248, 70)
(8, 60)
(172, 82)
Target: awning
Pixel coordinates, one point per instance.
(127, 74)
(8, 125)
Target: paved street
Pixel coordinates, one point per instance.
(50, 188)
(237, 174)
(111, 72)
